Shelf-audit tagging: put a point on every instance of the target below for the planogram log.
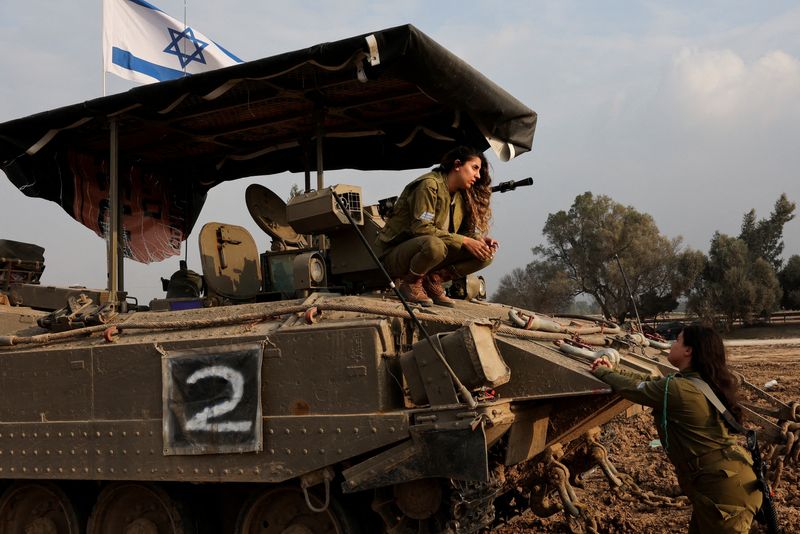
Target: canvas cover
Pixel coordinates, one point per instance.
(391, 99)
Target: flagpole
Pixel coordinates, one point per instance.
(184, 29)
(102, 56)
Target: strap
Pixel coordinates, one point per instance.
(706, 390)
(770, 516)
(664, 412)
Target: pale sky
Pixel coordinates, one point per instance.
(688, 111)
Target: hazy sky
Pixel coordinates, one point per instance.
(689, 112)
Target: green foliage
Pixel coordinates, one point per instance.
(764, 238)
(739, 279)
(541, 285)
(586, 240)
(790, 283)
(735, 284)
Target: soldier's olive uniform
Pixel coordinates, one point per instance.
(713, 471)
(421, 235)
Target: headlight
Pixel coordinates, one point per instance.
(309, 270)
(316, 270)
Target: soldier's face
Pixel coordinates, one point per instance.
(679, 354)
(465, 173)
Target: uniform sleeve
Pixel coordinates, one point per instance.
(640, 389)
(422, 205)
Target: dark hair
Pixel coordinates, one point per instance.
(708, 359)
(477, 196)
(459, 153)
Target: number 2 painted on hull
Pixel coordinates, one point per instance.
(200, 421)
(211, 399)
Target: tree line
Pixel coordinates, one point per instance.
(598, 245)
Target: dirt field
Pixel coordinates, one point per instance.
(627, 441)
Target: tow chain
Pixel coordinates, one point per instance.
(472, 505)
(622, 483)
(778, 455)
(579, 519)
(647, 497)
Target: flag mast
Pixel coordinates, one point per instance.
(133, 38)
(114, 257)
(102, 54)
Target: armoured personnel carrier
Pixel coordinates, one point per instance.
(286, 391)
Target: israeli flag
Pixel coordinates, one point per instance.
(143, 44)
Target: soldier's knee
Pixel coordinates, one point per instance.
(434, 248)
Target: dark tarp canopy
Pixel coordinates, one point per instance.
(392, 99)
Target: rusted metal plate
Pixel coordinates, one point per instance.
(126, 382)
(133, 450)
(541, 372)
(577, 415)
(46, 386)
(528, 435)
(457, 453)
(333, 367)
(296, 445)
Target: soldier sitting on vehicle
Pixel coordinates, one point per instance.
(437, 229)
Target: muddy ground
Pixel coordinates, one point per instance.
(628, 443)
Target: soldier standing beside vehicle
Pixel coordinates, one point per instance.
(713, 471)
(437, 229)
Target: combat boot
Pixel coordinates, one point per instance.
(410, 287)
(432, 284)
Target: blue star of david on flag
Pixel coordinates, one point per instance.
(134, 35)
(174, 47)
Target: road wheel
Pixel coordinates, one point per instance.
(284, 510)
(135, 508)
(416, 507)
(37, 508)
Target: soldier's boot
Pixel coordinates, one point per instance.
(410, 287)
(432, 284)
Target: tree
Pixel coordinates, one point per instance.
(764, 238)
(790, 283)
(586, 241)
(541, 286)
(734, 284)
(688, 266)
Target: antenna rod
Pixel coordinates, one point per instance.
(630, 293)
(465, 394)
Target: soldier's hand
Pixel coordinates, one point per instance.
(601, 362)
(478, 248)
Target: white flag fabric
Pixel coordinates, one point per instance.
(144, 44)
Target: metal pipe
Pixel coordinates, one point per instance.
(320, 181)
(113, 254)
(306, 166)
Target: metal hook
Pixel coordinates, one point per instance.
(311, 507)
